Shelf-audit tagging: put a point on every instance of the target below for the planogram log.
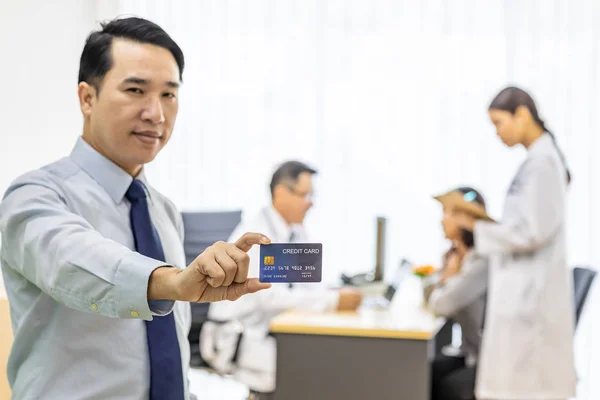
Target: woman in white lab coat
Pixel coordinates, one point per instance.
(527, 347)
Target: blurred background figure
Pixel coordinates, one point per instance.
(459, 295)
(239, 341)
(527, 349)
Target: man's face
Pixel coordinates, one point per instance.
(294, 201)
(131, 117)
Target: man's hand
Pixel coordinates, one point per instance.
(349, 299)
(219, 273)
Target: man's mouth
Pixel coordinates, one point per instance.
(148, 137)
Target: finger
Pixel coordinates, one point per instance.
(233, 292)
(228, 264)
(242, 262)
(248, 240)
(214, 272)
(252, 285)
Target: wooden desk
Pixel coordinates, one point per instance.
(366, 355)
(5, 344)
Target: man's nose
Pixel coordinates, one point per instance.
(153, 111)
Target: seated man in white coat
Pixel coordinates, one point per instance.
(237, 340)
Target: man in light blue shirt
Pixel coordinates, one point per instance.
(83, 301)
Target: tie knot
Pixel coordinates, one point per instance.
(136, 191)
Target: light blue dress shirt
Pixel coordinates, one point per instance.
(77, 289)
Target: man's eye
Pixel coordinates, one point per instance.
(169, 95)
(135, 90)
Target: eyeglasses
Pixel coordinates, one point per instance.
(306, 196)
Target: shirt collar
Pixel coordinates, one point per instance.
(104, 171)
(282, 229)
(541, 144)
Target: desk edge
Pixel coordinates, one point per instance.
(356, 332)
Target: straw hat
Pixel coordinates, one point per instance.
(466, 202)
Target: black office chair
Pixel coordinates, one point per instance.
(582, 280)
(202, 229)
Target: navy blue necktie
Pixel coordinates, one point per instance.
(166, 376)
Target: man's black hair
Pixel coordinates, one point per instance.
(96, 58)
(288, 173)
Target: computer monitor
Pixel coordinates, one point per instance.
(380, 249)
(376, 274)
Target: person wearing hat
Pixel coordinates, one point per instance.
(459, 295)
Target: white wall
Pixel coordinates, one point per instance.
(40, 61)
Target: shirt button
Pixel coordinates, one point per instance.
(135, 314)
(95, 307)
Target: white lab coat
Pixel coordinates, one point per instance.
(527, 347)
(252, 313)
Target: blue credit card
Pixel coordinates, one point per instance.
(291, 262)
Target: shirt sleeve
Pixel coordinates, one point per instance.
(66, 258)
(538, 214)
(459, 291)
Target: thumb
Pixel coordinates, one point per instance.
(252, 285)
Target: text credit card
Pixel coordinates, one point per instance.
(291, 262)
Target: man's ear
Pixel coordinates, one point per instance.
(278, 191)
(87, 97)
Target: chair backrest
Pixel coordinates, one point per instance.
(202, 229)
(582, 281)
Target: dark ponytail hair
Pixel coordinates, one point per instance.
(511, 98)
